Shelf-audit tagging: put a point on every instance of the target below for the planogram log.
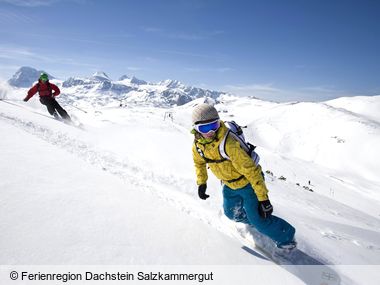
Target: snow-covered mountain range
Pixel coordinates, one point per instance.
(125, 90)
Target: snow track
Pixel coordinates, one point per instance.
(162, 186)
(151, 157)
(159, 185)
(69, 212)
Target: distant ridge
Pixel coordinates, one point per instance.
(128, 89)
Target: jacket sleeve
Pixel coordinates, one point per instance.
(242, 162)
(55, 89)
(200, 167)
(31, 92)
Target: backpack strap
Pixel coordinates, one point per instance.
(208, 160)
(222, 151)
(222, 146)
(246, 146)
(48, 86)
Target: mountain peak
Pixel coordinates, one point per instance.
(137, 81)
(123, 77)
(101, 76)
(133, 80)
(171, 83)
(25, 76)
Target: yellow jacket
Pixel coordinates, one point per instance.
(240, 164)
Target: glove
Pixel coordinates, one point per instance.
(25, 99)
(265, 209)
(202, 192)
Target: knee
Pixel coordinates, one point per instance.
(229, 213)
(235, 214)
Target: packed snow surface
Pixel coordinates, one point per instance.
(121, 189)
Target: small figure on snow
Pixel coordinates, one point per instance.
(245, 195)
(47, 96)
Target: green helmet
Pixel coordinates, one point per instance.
(44, 76)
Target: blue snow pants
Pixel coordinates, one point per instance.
(241, 205)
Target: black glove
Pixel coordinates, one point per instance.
(202, 192)
(265, 209)
(25, 99)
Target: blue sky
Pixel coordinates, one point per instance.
(274, 49)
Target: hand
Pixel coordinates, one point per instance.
(202, 192)
(265, 209)
(25, 99)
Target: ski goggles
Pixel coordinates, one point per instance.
(207, 127)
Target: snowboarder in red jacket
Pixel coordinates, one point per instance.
(47, 96)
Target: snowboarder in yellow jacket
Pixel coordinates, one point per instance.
(245, 195)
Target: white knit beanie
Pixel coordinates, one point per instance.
(203, 113)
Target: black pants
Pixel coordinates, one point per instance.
(53, 107)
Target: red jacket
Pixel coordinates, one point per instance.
(44, 89)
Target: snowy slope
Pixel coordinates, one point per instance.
(333, 147)
(129, 176)
(366, 107)
(58, 209)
